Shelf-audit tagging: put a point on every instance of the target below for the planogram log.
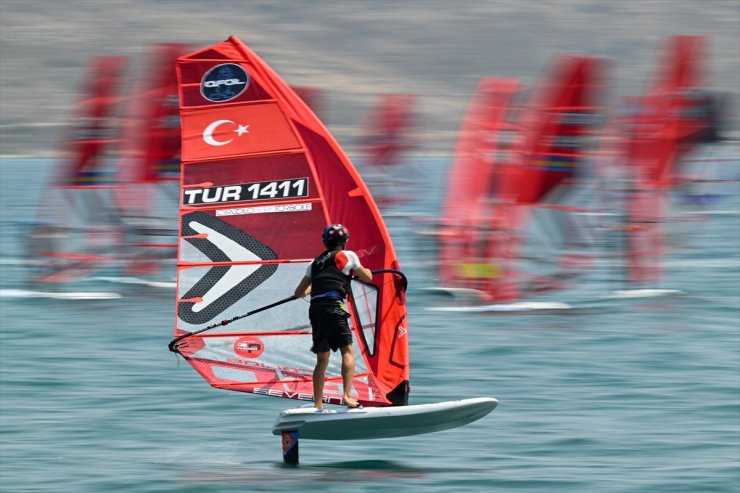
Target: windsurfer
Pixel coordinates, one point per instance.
(327, 279)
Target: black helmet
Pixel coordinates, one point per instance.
(335, 234)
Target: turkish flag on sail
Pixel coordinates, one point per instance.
(234, 131)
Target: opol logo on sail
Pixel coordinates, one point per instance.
(224, 82)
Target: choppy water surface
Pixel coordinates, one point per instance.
(640, 397)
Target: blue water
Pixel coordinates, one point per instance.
(643, 397)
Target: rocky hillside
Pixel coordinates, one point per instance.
(352, 50)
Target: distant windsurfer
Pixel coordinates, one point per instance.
(327, 280)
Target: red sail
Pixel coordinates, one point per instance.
(671, 114)
(389, 129)
(539, 244)
(78, 228)
(670, 119)
(153, 139)
(150, 163)
(94, 131)
(261, 177)
(561, 124)
(387, 136)
(483, 154)
(514, 235)
(551, 240)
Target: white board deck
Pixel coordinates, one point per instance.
(382, 422)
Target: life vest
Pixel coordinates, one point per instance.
(325, 276)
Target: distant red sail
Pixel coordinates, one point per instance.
(387, 136)
(78, 228)
(483, 153)
(561, 126)
(670, 119)
(390, 129)
(508, 225)
(670, 114)
(155, 124)
(149, 164)
(94, 131)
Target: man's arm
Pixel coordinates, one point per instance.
(353, 265)
(303, 288)
(364, 274)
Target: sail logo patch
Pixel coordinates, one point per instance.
(262, 190)
(224, 82)
(249, 347)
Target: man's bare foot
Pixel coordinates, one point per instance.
(351, 403)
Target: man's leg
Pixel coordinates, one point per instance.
(348, 373)
(319, 375)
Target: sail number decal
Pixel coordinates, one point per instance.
(262, 190)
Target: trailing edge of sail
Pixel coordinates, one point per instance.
(78, 227)
(261, 177)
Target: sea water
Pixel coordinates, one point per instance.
(641, 397)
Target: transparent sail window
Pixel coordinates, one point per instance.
(365, 301)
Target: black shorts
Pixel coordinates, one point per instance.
(329, 324)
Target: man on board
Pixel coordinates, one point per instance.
(327, 281)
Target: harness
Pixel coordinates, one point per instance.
(327, 281)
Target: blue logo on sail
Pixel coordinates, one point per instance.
(224, 82)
